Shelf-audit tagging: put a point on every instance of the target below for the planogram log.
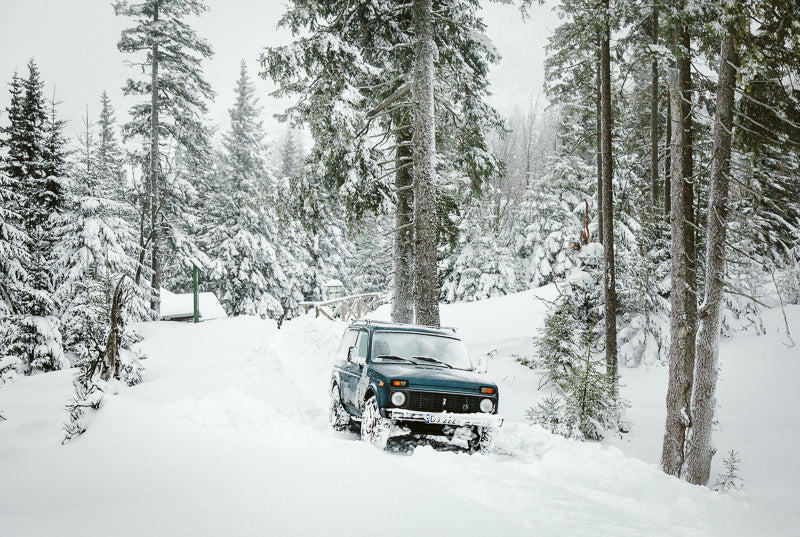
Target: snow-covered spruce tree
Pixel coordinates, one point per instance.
(765, 184)
(33, 153)
(170, 54)
(550, 217)
(13, 253)
(369, 263)
(108, 160)
(109, 363)
(290, 162)
(185, 206)
(644, 292)
(483, 267)
(359, 56)
(247, 271)
(312, 228)
(575, 318)
(571, 355)
(97, 239)
(36, 334)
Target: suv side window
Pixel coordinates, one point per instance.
(348, 340)
(361, 347)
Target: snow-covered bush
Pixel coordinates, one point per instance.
(10, 368)
(551, 414)
(107, 363)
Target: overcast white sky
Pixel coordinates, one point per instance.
(75, 45)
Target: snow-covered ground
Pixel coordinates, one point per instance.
(228, 435)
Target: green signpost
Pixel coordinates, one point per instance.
(195, 271)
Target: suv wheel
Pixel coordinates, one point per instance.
(374, 428)
(338, 417)
(482, 439)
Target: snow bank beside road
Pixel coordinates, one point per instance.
(228, 435)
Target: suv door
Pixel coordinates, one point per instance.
(354, 371)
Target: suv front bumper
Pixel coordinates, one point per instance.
(446, 418)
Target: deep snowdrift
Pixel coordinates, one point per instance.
(227, 435)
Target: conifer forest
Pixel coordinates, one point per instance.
(638, 214)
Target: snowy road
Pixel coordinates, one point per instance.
(228, 436)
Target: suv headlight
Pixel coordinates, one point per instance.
(487, 405)
(398, 398)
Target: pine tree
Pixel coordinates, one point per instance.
(34, 151)
(97, 240)
(249, 269)
(172, 116)
(482, 266)
(13, 276)
(570, 353)
(364, 74)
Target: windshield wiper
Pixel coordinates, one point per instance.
(432, 360)
(392, 357)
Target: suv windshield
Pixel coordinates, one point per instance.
(428, 349)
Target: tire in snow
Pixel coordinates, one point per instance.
(338, 417)
(374, 428)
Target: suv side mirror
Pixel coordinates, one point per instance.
(351, 355)
(483, 364)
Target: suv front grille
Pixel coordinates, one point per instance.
(442, 401)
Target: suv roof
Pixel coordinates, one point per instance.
(373, 326)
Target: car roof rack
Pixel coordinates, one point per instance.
(369, 322)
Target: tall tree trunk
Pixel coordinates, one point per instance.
(155, 264)
(699, 448)
(668, 160)
(403, 300)
(684, 62)
(683, 315)
(609, 274)
(654, 112)
(599, 145)
(426, 276)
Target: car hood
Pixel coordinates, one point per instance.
(432, 376)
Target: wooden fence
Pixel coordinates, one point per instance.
(346, 307)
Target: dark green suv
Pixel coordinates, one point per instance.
(398, 379)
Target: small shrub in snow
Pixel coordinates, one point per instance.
(730, 479)
(570, 351)
(551, 414)
(10, 368)
(107, 364)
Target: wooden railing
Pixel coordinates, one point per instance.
(346, 307)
